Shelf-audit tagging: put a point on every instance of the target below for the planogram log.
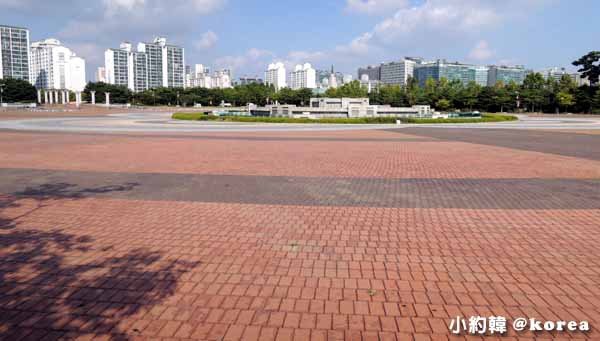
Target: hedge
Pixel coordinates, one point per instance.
(359, 120)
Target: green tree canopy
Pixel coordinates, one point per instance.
(589, 66)
(16, 90)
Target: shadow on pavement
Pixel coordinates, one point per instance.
(54, 284)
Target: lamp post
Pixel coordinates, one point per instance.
(2, 95)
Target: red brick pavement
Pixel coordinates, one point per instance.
(91, 268)
(382, 159)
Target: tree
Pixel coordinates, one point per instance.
(17, 90)
(596, 101)
(565, 99)
(501, 96)
(442, 104)
(470, 95)
(118, 93)
(533, 90)
(589, 66)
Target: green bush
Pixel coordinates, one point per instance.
(484, 118)
(359, 120)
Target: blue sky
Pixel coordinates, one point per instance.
(246, 35)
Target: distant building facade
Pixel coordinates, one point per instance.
(276, 76)
(14, 53)
(506, 74)
(398, 73)
(303, 76)
(101, 74)
(200, 77)
(370, 73)
(153, 65)
(249, 80)
(54, 66)
(465, 73)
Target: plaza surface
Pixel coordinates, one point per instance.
(262, 232)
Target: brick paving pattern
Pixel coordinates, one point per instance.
(366, 235)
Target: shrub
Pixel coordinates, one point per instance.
(358, 120)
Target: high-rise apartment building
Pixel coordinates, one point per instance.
(166, 63)
(303, 76)
(275, 75)
(14, 52)
(119, 70)
(506, 74)
(54, 66)
(153, 65)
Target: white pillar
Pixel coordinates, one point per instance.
(64, 98)
(93, 93)
(56, 97)
(78, 98)
(45, 97)
(67, 95)
(107, 99)
(39, 93)
(51, 98)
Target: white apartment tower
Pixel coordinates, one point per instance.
(54, 66)
(166, 63)
(303, 76)
(14, 53)
(275, 75)
(153, 65)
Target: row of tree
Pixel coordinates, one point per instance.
(535, 94)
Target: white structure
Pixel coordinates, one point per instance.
(54, 66)
(153, 65)
(14, 52)
(303, 76)
(200, 77)
(554, 72)
(342, 108)
(101, 74)
(222, 79)
(275, 75)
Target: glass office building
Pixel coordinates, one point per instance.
(506, 74)
(465, 73)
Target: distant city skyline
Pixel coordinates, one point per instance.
(247, 36)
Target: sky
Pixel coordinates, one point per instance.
(247, 35)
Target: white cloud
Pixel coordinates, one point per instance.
(207, 40)
(113, 7)
(375, 6)
(206, 6)
(253, 60)
(481, 51)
